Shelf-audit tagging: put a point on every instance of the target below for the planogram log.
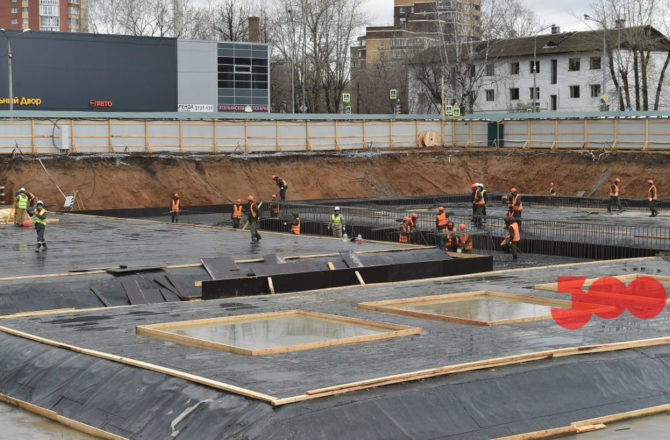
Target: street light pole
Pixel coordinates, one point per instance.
(9, 68)
(603, 64)
(535, 65)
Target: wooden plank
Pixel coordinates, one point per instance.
(101, 297)
(126, 269)
(221, 267)
(133, 292)
(360, 278)
(271, 286)
(331, 266)
(168, 295)
(38, 313)
(166, 285)
(178, 291)
(153, 296)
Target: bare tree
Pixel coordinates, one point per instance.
(507, 19)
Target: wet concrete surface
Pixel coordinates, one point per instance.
(18, 424)
(480, 309)
(285, 375)
(647, 428)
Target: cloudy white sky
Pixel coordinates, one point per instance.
(564, 13)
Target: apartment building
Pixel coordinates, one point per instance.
(45, 15)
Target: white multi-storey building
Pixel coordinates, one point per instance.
(568, 74)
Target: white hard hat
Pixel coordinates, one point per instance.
(39, 202)
(337, 208)
(22, 189)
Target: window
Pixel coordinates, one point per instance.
(25, 21)
(401, 10)
(574, 91)
(573, 64)
(514, 94)
(554, 71)
(490, 95)
(73, 10)
(490, 70)
(595, 63)
(15, 21)
(514, 68)
(595, 90)
(537, 66)
(15, 10)
(537, 93)
(382, 45)
(24, 10)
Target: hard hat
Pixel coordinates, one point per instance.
(512, 190)
(250, 198)
(450, 223)
(441, 208)
(176, 195)
(337, 208)
(22, 190)
(650, 181)
(551, 183)
(406, 219)
(414, 215)
(274, 196)
(481, 185)
(39, 202)
(617, 180)
(239, 200)
(461, 227)
(474, 185)
(274, 177)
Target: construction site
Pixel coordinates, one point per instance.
(135, 326)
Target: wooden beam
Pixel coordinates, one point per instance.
(331, 266)
(360, 278)
(271, 286)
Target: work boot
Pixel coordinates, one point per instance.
(44, 246)
(37, 248)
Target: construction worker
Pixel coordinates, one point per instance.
(40, 221)
(174, 210)
(441, 220)
(615, 188)
(652, 195)
(413, 220)
(474, 207)
(336, 224)
(295, 225)
(405, 230)
(236, 215)
(479, 203)
(283, 186)
(253, 216)
(274, 207)
(485, 196)
(20, 206)
(515, 202)
(448, 238)
(513, 238)
(552, 190)
(464, 239)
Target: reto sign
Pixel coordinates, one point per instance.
(608, 298)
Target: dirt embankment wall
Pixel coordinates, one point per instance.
(128, 182)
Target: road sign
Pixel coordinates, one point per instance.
(346, 97)
(457, 112)
(303, 108)
(393, 94)
(347, 109)
(448, 109)
(606, 98)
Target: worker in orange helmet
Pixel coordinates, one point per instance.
(274, 207)
(552, 190)
(464, 239)
(652, 195)
(511, 242)
(448, 239)
(174, 209)
(615, 189)
(236, 215)
(405, 230)
(413, 220)
(441, 219)
(253, 217)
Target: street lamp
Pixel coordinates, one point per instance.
(535, 64)
(9, 68)
(603, 64)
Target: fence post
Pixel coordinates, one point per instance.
(214, 149)
(586, 134)
(246, 135)
(73, 146)
(453, 132)
(646, 135)
(555, 146)
(470, 143)
(308, 146)
(391, 143)
(32, 136)
(181, 141)
(278, 144)
(365, 142)
(616, 133)
(110, 144)
(147, 149)
(337, 141)
(527, 143)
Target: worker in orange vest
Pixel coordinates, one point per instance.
(274, 207)
(448, 239)
(652, 196)
(295, 226)
(441, 219)
(174, 210)
(236, 215)
(413, 220)
(552, 190)
(405, 230)
(283, 186)
(479, 203)
(615, 188)
(464, 239)
(513, 238)
(515, 203)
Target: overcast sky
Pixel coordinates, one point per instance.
(565, 13)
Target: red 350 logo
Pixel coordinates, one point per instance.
(608, 298)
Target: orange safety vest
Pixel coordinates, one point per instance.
(296, 228)
(275, 208)
(514, 233)
(450, 237)
(252, 211)
(652, 194)
(552, 191)
(442, 219)
(412, 222)
(405, 229)
(514, 200)
(477, 194)
(614, 190)
(237, 211)
(466, 242)
(175, 205)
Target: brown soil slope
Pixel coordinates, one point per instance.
(141, 181)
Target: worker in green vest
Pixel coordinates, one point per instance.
(40, 221)
(336, 224)
(20, 206)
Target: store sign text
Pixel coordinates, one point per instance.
(23, 101)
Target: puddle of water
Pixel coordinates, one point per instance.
(16, 423)
(480, 308)
(278, 332)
